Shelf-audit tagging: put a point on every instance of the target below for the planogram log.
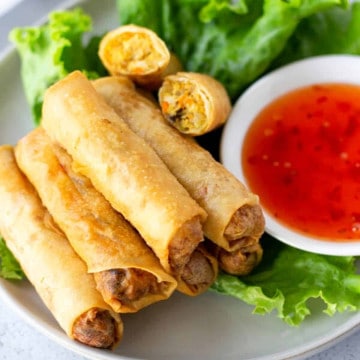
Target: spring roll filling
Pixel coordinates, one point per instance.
(183, 105)
(242, 261)
(128, 53)
(244, 223)
(198, 272)
(184, 243)
(96, 328)
(128, 285)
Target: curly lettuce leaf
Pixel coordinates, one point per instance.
(233, 43)
(288, 278)
(51, 51)
(9, 267)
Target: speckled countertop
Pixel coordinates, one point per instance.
(18, 340)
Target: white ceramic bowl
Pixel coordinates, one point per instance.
(316, 70)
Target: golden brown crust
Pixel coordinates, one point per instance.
(120, 164)
(62, 282)
(233, 211)
(101, 236)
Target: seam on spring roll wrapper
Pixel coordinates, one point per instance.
(137, 52)
(194, 103)
(127, 273)
(59, 276)
(235, 217)
(125, 169)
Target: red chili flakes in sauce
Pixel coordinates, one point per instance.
(302, 156)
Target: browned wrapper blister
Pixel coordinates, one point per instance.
(125, 169)
(126, 272)
(58, 274)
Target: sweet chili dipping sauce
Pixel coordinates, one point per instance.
(302, 156)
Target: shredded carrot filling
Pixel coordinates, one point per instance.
(165, 106)
(183, 106)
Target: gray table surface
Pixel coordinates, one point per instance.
(18, 340)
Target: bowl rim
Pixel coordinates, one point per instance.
(308, 71)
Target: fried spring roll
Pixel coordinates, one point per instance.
(136, 52)
(126, 272)
(194, 103)
(50, 263)
(235, 217)
(125, 169)
(199, 273)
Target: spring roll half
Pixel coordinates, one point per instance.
(59, 276)
(137, 52)
(235, 219)
(125, 169)
(126, 271)
(194, 103)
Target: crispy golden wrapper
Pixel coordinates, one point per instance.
(58, 274)
(125, 169)
(235, 218)
(126, 271)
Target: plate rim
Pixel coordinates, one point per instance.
(349, 326)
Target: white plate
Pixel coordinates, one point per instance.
(210, 326)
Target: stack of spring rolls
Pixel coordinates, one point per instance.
(187, 104)
(109, 208)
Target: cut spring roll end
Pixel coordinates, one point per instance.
(136, 52)
(96, 328)
(240, 262)
(62, 282)
(199, 273)
(246, 224)
(129, 290)
(183, 244)
(194, 103)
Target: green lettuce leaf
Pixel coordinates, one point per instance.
(233, 43)
(49, 52)
(312, 37)
(288, 278)
(9, 267)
